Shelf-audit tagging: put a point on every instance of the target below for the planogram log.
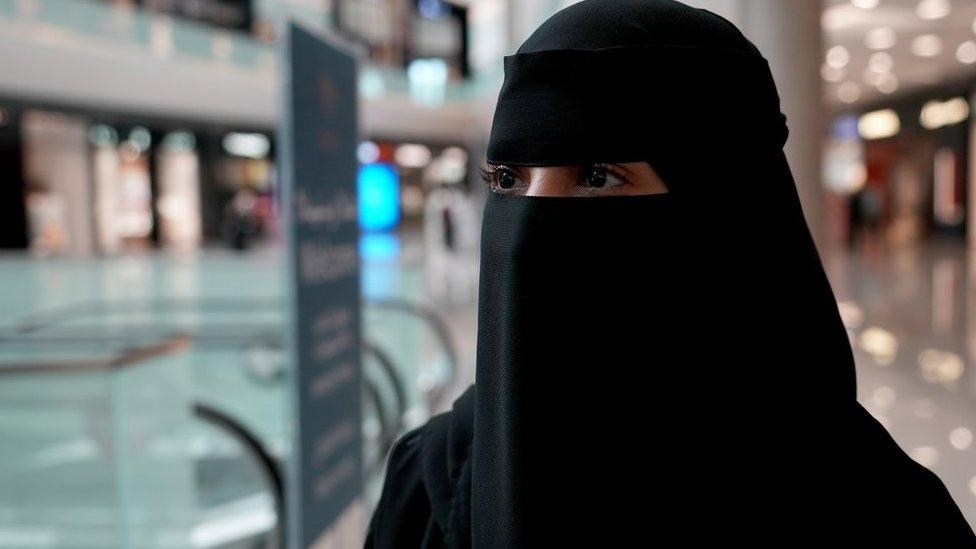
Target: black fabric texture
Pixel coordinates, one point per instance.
(655, 370)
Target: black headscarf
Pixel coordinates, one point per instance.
(655, 366)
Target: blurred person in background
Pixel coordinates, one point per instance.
(660, 354)
(450, 240)
(46, 219)
(240, 221)
(866, 211)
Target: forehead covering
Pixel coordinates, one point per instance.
(615, 81)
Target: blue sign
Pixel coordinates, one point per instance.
(379, 197)
(318, 137)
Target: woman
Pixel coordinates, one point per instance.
(663, 360)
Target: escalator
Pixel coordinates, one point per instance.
(196, 383)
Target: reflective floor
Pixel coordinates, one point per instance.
(911, 314)
(89, 458)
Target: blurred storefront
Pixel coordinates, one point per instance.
(129, 161)
(898, 78)
(899, 173)
(103, 184)
(86, 183)
(429, 75)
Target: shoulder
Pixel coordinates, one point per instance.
(418, 501)
(403, 510)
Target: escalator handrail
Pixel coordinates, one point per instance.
(211, 336)
(65, 313)
(387, 435)
(38, 321)
(435, 320)
(129, 357)
(425, 313)
(388, 366)
(270, 468)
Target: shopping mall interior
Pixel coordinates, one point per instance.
(140, 225)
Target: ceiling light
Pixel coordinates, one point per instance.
(880, 38)
(247, 145)
(927, 45)
(960, 438)
(141, 138)
(936, 114)
(865, 4)
(831, 74)
(833, 19)
(849, 92)
(966, 52)
(932, 9)
(881, 62)
(838, 56)
(412, 155)
(368, 152)
(879, 124)
(887, 83)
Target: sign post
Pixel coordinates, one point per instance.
(317, 137)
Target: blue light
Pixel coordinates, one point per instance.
(844, 127)
(379, 246)
(432, 9)
(378, 276)
(379, 197)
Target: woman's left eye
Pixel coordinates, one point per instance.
(600, 176)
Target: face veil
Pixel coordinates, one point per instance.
(652, 360)
(555, 379)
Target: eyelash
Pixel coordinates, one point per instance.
(489, 173)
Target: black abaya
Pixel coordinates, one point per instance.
(654, 370)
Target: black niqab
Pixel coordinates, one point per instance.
(655, 367)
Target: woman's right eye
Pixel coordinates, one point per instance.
(501, 179)
(506, 179)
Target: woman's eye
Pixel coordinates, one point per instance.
(506, 179)
(501, 179)
(599, 176)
